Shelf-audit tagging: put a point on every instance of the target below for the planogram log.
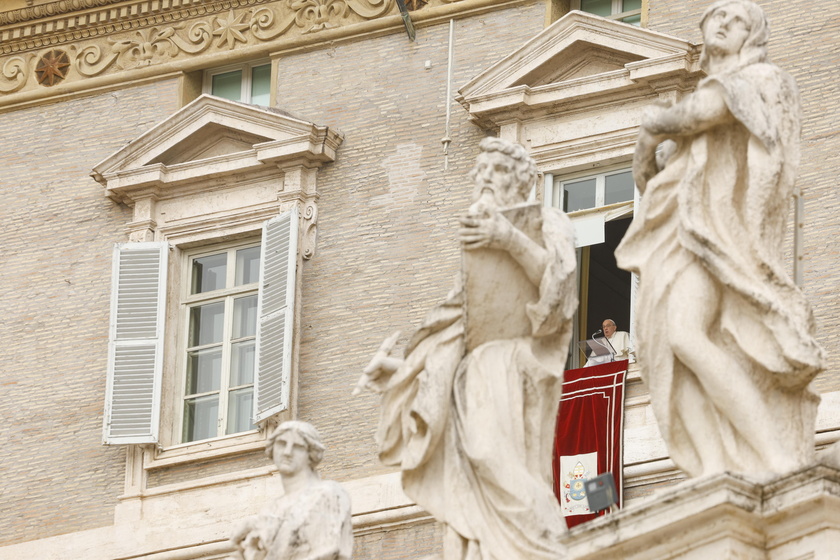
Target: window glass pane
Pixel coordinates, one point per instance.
(618, 187)
(633, 20)
(204, 371)
(206, 324)
(242, 363)
(228, 85)
(247, 266)
(240, 403)
(245, 316)
(579, 195)
(208, 273)
(628, 5)
(201, 416)
(261, 84)
(597, 7)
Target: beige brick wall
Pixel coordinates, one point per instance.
(386, 252)
(414, 543)
(803, 41)
(58, 232)
(387, 213)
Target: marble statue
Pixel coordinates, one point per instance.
(725, 339)
(468, 415)
(311, 520)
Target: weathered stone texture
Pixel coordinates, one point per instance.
(203, 469)
(59, 230)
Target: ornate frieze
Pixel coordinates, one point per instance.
(99, 37)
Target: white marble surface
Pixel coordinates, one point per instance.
(311, 519)
(724, 338)
(468, 415)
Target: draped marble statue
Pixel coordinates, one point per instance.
(468, 415)
(725, 339)
(311, 520)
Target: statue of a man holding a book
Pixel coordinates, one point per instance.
(469, 413)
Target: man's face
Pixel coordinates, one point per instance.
(496, 172)
(608, 328)
(727, 29)
(291, 454)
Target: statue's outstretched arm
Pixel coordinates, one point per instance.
(381, 366)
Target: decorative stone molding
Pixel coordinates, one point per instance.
(726, 516)
(222, 166)
(573, 94)
(99, 38)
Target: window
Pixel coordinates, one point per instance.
(628, 11)
(600, 207)
(224, 296)
(593, 191)
(220, 316)
(250, 83)
(232, 295)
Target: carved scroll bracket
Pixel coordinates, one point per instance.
(309, 229)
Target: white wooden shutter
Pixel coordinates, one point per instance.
(277, 314)
(135, 351)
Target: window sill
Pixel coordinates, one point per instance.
(204, 450)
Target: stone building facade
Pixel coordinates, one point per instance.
(108, 140)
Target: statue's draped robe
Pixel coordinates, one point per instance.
(473, 431)
(721, 204)
(311, 524)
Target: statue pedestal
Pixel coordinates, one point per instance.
(724, 517)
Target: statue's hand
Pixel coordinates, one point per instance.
(253, 547)
(381, 364)
(242, 531)
(645, 165)
(654, 114)
(492, 231)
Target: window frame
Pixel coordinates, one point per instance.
(616, 11)
(554, 192)
(186, 301)
(245, 86)
(553, 197)
(167, 215)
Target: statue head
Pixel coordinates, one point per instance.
(298, 433)
(735, 24)
(504, 169)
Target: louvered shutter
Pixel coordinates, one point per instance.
(277, 314)
(135, 351)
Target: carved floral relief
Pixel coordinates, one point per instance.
(89, 54)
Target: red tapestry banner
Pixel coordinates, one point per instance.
(588, 438)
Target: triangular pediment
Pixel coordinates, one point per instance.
(206, 128)
(577, 55)
(578, 60)
(209, 141)
(213, 137)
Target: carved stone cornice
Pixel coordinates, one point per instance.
(57, 8)
(101, 38)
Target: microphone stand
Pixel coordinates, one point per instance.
(604, 342)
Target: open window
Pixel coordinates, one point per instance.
(574, 96)
(600, 206)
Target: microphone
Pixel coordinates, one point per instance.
(599, 331)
